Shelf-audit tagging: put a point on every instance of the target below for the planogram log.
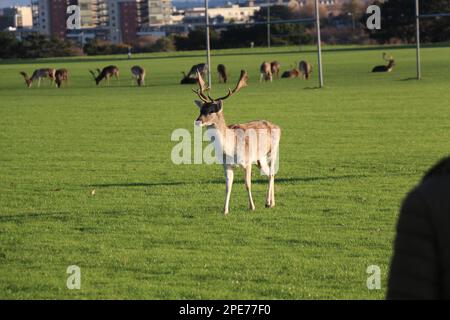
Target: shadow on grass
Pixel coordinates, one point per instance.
(312, 88)
(222, 181)
(21, 217)
(408, 79)
(137, 184)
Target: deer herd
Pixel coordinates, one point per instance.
(267, 70)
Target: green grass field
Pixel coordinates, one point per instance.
(154, 230)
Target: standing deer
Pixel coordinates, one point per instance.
(239, 144)
(60, 76)
(275, 68)
(222, 72)
(191, 76)
(386, 68)
(305, 69)
(138, 73)
(265, 72)
(38, 74)
(106, 73)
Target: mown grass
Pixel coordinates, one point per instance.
(153, 230)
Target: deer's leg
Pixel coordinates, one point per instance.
(248, 186)
(260, 77)
(264, 166)
(272, 190)
(229, 175)
(39, 82)
(273, 162)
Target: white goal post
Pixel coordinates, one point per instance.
(418, 17)
(316, 20)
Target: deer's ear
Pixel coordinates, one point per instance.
(198, 103)
(220, 104)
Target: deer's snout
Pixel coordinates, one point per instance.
(199, 122)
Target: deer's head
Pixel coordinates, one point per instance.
(28, 81)
(96, 76)
(389, 59)
(211, 109)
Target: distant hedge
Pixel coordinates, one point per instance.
(35, 46)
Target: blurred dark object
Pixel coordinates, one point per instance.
(420, 267)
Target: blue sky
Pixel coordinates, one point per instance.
(8, 3)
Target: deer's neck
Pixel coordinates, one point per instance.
(222, 137)
(220, 125)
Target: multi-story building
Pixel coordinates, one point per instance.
(159, 12)
(50, 16)
(227, 14)
(16, 18)
(121, 18)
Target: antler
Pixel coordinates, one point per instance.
(93, 73)
(387, 59)
(241, 83)
(207, 98)
(202, 88)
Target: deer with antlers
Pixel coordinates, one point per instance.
(386, 68)
(255, 142)
(191, 76)
(106, 73)
(138, 74)
(38, 74)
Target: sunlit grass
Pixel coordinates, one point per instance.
(349, 153)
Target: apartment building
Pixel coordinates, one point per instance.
(122, 19)
(16, 18)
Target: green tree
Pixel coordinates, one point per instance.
(398, 21)
(9, 45)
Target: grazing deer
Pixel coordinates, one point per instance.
(191, 76)
(294, 73)
(386, 68)
(275, 68)
(106, 73)
(60, 76)
(138, 74)
(38, 75)
(265, 72)
(305, 69)
(222, 72)
(239, 144)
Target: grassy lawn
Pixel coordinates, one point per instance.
(154, 230)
